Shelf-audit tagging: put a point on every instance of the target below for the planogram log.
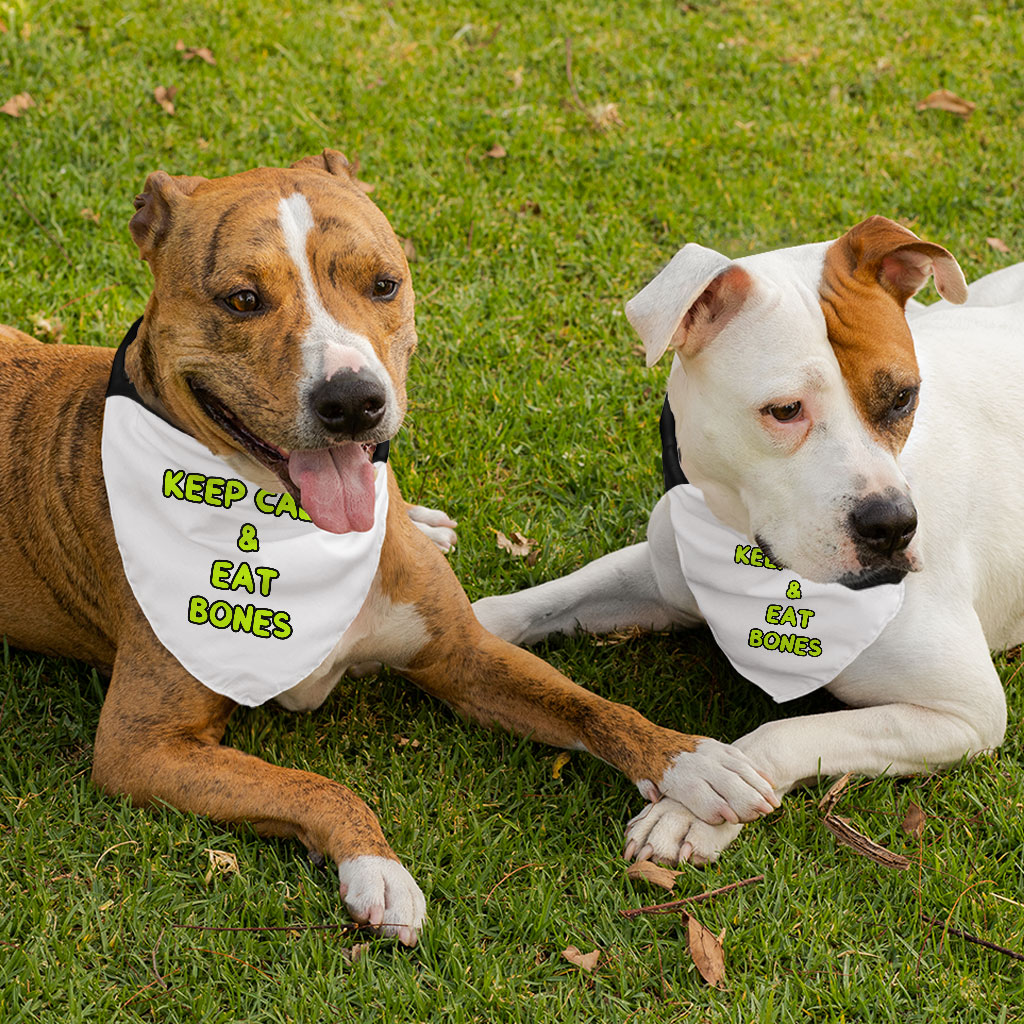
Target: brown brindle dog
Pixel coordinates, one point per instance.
(278, 335)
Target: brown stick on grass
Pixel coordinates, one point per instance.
(674, 905)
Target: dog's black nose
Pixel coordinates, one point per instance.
(884, 524)
(349, 403)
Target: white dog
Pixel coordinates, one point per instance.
(824, 541)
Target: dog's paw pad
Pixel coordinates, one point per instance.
(379, 892)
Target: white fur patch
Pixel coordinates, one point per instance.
(328, 345)
(378, 891)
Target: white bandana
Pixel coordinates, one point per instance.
(238, 584)
(786, 634)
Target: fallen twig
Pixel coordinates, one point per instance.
(522, 867)
(859, 843)
(274, 928)
(968, 937)
(674, 905)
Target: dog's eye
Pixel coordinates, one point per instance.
(244, 301)
(904, 400)
(385, 288)
(785, 413)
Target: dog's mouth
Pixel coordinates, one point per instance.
(335, 486)
(877, 577)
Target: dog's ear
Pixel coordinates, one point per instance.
(688, 303)
(329, 160)
(880, 249)
(154, 207)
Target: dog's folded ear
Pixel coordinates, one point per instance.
(689, 302)
(880, 249)
(329, 160)
(154, 207)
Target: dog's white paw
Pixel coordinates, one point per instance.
(670, 833)
(379, 892)
(436, 525)
(717, 782)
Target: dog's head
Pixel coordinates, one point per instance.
(280, 326)
(794, 389)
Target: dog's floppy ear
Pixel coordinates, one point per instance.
(688, 303)
(154, 207)
(329, 160)
(880, 249)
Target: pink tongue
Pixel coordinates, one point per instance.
(337, 486)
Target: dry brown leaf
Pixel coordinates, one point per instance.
(831, 798)
(804, 57)
(188, 52)
(913, 822)
(998, 244)
(587, 961)
(221, 863)
(409, 249)
(202, 143)
(90, 214)
(3, 27)
(559, 763)
(943, 99)
(49, 329)
(352, 954)
(648, 871)
(164, 95)
(518, 545)
(604, 116)
(531, 207)
(17, 105)
(706, 951)
(497, 152)
(515, 77)
(861, 844)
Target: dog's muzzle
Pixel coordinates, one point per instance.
(350, 404)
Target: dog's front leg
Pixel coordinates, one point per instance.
(491, 681)
(618, 591)
(158, 741)
(927, 705)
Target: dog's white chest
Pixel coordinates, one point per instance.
(786, 634)
(237, 584)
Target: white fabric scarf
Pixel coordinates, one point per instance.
(186, 526)
(785, 633)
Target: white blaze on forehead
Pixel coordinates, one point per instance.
(328, 345)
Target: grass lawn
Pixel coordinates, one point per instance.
(537, 200)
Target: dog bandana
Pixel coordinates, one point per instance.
(237, 582)
(786, 634)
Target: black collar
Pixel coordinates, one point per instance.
(670, 465)
(119, 384)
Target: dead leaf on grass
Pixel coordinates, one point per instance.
(188, 52)
(17, 105)
(90, 214)
(49, 329)
(352, 954)
(586, 961)
(803, 57)
(520, 546)
(706, 951)
(605, 116)
(497, 152)
(164, 95)
(221, 863)
(409, 249)
(943, 99)
(913, 822)
(648, 871)
(515, 77)
(559, 763)
(861, 844)
(831, 798)
(998, 244)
